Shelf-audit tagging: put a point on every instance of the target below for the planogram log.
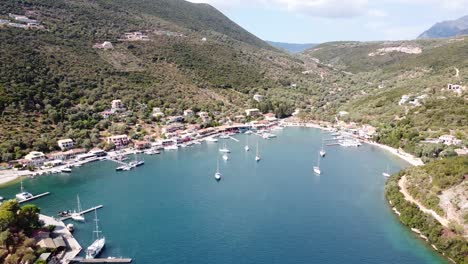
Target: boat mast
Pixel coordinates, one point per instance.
(318, 161)
(257, 148)
(22, 189)
(97, 227)
(79, 204)
(217, 164)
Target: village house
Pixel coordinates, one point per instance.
(140, 145)
(252, 112)
(174, 119)
(188, 112)
(22, 18)
(35, 158)
(450, 140)
(296, 112)
(456, 88)
(172, 128)
(205, 117)
(105, 45)
(106, 114)
(97, 152)
(65, 144)
(343, 113)
(4, 21)
(157, 112)
(119, 140)
(117, 106)
(65, 155)
(239, 118)
(367, 131)
(135, 36)
(404, 98)
(270, 117)
(258, 97)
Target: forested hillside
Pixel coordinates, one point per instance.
(53, 83)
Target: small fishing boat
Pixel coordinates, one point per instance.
(66, 170)
(322, 151)
(225, 157)
(386, 173)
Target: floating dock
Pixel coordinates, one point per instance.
(83, 212)
(102, 260)
(34, 197)
(235, 139)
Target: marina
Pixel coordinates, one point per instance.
(182, 184)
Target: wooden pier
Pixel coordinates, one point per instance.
(102, 260)
(82, 212)
(34, 197)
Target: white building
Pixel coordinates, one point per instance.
(66, 144)
(450, 140)
(343, 113)
(117, 105)
(105, 45)
(188, 112)
(258, 97)
(456, 88)
(252, 112)
(404, 99)
(36, 158)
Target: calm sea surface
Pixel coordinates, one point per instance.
(171, 210)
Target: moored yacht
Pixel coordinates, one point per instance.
(257, 155)
(211, 139)
(322, 151)
(66, 170)
(217, 174)
(23, 195)
(96, 247)
(224, 149)
(77, 215)
(317, 168)
(386, 173)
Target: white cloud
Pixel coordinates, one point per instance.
(376, 13)
(316, 8)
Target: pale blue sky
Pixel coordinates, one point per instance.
(315, 21)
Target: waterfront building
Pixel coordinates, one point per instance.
(119, 140)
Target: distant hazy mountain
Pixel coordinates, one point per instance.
(292, 47)
(447, 29)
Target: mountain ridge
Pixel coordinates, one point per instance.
(447, 29)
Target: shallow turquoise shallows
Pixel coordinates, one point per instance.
(171, 210)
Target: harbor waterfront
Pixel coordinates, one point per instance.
(277, 210)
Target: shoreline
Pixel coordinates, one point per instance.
(10, 177)
(411, 159)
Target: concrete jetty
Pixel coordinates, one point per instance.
(34, 197)
(83, 212)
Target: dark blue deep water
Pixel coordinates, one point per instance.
(171, 210)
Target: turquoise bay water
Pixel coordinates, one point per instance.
(171, 210)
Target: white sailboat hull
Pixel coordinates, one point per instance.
(95, 248)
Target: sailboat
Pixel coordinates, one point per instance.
(257, 156)
(386, 173)
(247, 148)
(217, 174)
(96, 247)
(225, 157)
(224, 149)
(322, 151)
(77, 216)
(317, 168)
(23, 195)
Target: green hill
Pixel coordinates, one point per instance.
(54, 83)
